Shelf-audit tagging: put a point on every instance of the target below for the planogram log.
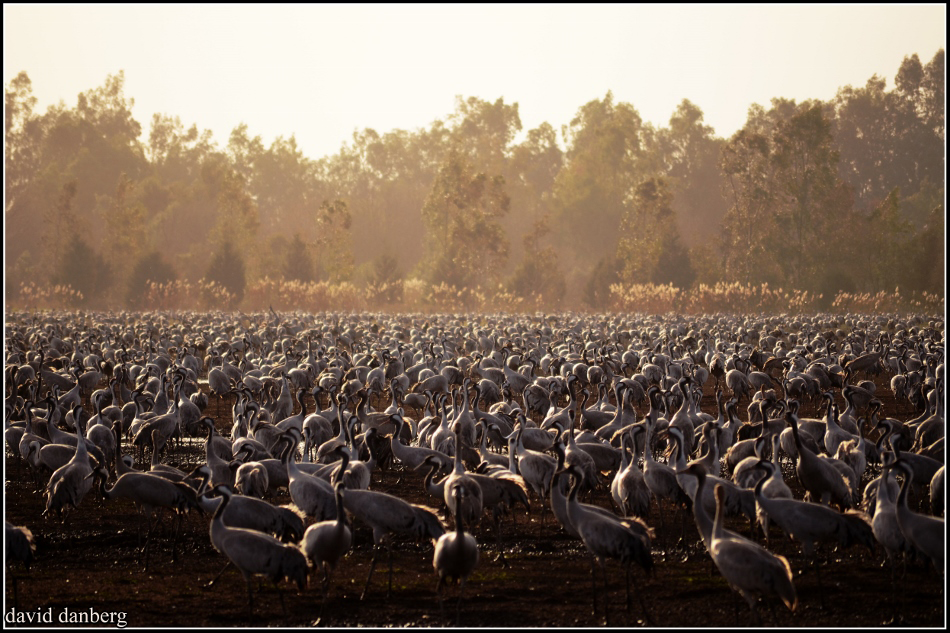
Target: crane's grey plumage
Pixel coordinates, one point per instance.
(608, 536)
(20, 548)
(255, 553)
(456, 554)
(324, 543)
(70, 483)
(925, 534)
(150, 493)
(388, 515)
(628, 488)
(749, 568)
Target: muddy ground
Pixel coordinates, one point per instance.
(93, 561)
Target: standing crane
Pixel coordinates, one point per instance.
(627, 540)
(256, 553)
(456, 554)
(749, 568)
(326, 542)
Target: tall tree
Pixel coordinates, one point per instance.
(227, 269)
(750, 189)
(483, 131)
(529, 180)
(601, 168)
(650, 250)
(806, 164)
(124, 237)
(691, 157)
(335, 240)
(298, 264)
(467, 247)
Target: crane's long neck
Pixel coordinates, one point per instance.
(217, 522)
(289, 460)
(647, 443)
(458, 511)
(883, 489)
(82, 453)
(459, 468)
(679, 454)
(435, 489)
(620, 395)
(475, 409)
(775, 460)
(717, 526)
(341, 436)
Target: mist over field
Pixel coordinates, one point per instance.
(824, 202)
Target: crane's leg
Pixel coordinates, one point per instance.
(250, 597)
(438, 591)
(646, 614)
(593, 588)
(627, 579)
(458, 606)
(325, 585)
(372, 567)
(389, 591)
(224, 569)
(501, 550)
(603, 569)
(755, 615)
(148, 540)
(175, 539)
(281, 595)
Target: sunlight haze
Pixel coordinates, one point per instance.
(320, 72)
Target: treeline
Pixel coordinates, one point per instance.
(823, 197)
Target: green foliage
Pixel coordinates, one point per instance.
(466, 244)
(149, 268)
(541, 276)
(650, 250)
(125, 226)
(832, 281)
(597, 288)
(298, 264)
(690, 155)
(539, 273)
(335, 240)
(929, 255)
(483, 131)
(237, 218)
(604, 148)
(85, 270)
(385, 280)
(806, 176)
(673, 264)
(226, 269)
(385, 270)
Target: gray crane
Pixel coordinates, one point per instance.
(749, 568)
(456, 554)
(326, 542)
(255, 553)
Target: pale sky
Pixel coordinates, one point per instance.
(320, 72)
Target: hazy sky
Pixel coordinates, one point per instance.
(320, 72)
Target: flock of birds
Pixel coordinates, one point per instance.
(497, 413)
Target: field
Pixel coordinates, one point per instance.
(93, 561)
